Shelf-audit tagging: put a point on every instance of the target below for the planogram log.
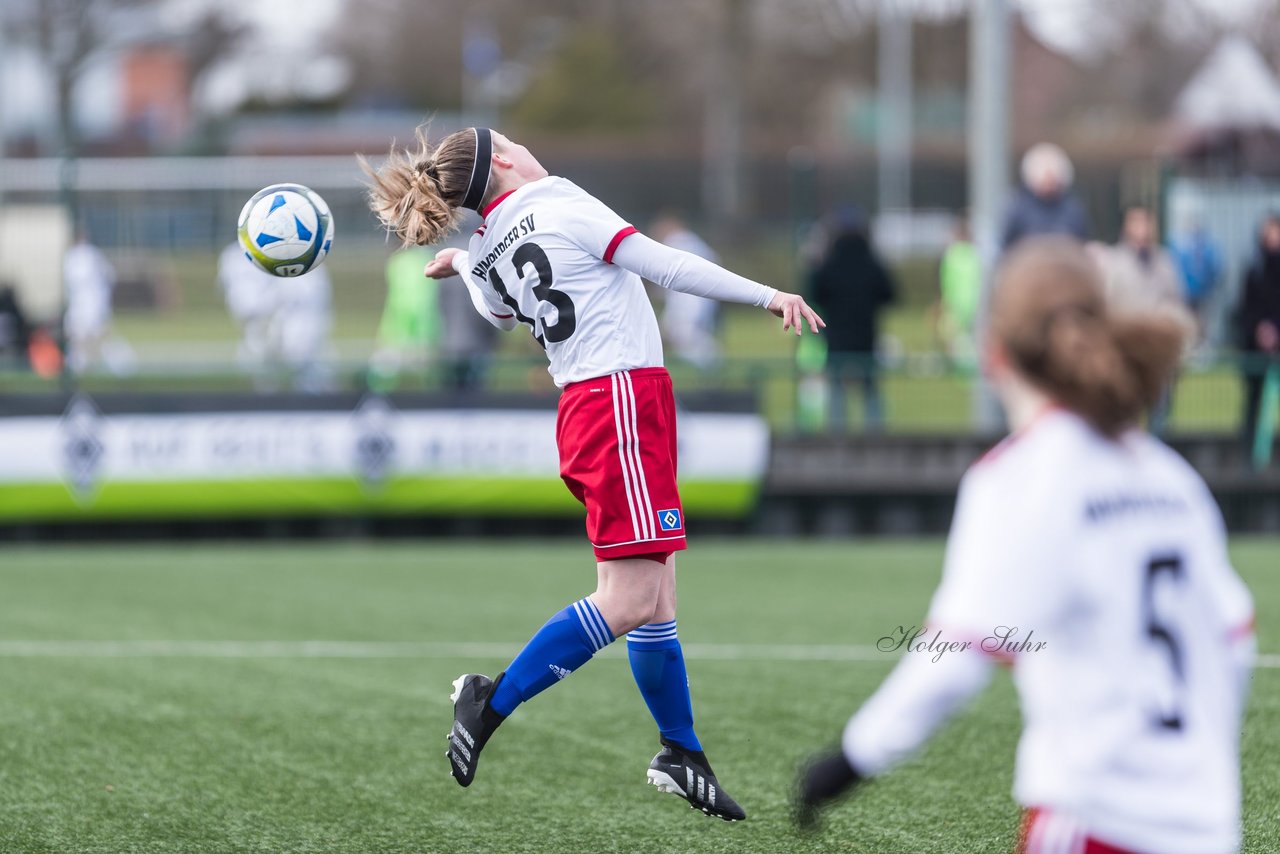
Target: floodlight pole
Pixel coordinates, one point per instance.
(989, 93)
(893, 124)
(722, 151)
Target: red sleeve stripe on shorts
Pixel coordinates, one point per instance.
(623, 234)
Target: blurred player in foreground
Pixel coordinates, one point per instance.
(1091, 559)
(552, 257)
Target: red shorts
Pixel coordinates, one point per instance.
(1046, 832)
(617, 440)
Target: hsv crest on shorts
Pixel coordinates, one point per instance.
(669, 520)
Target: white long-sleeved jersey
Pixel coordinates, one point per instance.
(1099, 570)
(557, 259)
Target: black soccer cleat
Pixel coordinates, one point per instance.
(679, 772)
(473, 723)
(825, 779)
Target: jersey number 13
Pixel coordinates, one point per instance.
(532, 254)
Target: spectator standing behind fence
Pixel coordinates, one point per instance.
(689, 323)
(852, 285)
(15, 331)
(1140, 273)
(1045, 204)
(251, 295)
(1259, 319)
(89, 280)
(1141, 276)
(960, 283)
(410, 325)
(1200, 263)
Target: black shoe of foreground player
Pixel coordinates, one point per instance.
(681, 772)
(825, 779)
(473, 723)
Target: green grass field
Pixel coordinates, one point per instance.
(166, 698)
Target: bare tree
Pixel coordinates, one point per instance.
(69, 35)
(1263, 26)
(212, 38)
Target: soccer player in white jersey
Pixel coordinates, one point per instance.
(1092, 560)
(552, 257)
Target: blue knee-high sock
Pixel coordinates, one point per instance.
(657, 662)
(565, 643)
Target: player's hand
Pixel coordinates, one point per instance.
(441, 267)
(1268, 336)
(794, 311)
(823, 779)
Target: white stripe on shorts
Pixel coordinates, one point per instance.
(1055, 833)
(619, 421)
(646, 508)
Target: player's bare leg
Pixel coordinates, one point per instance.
(628, 591)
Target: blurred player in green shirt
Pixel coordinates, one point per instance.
(960, 278)
(410, 327)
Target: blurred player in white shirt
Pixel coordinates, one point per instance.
(88, 281)
(252, 295)
(1091, 559)
(554, 258)
(300, 328)
(689, 323)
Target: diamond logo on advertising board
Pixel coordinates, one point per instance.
(375, 445)
(82, 450)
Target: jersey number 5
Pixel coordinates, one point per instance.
(532, 253)
(1168, 567)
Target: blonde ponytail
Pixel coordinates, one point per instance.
(1050, 315)
(416, 194)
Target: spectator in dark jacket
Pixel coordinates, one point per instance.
(852, 285)
(1260, 320)
(15, 331)
(1045, 204)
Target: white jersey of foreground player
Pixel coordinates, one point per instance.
(554, 257)
(1111, 556)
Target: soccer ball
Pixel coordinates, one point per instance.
(286, 229)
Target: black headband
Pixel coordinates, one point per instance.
(479, 183)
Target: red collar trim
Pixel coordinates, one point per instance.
(1008, 441)
(1046, 410)
(488, 209)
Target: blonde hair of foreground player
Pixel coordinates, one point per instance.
(554, 258)
(1091, 559)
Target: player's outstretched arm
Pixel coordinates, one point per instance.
(449, 262)
(919, 695)
(441, 266)
(826, 778)
(687, 273)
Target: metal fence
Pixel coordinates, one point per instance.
(921, 394)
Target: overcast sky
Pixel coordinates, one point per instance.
(1064, 24)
